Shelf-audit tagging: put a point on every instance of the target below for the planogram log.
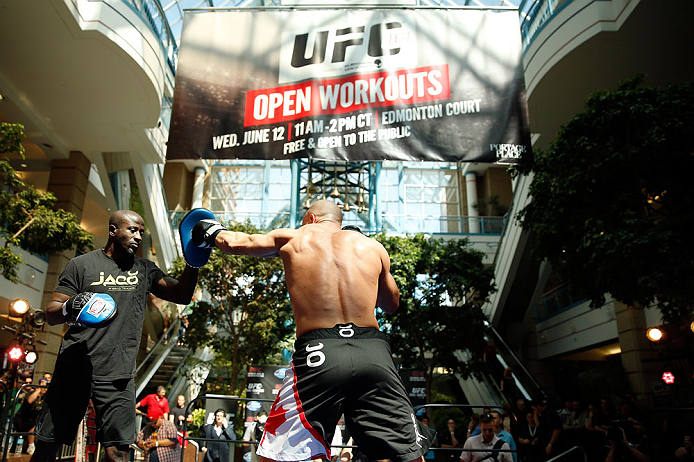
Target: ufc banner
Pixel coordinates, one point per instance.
(415, 385)
(351, 84)
(264, 382)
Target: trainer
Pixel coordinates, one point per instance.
(102, 296)
(342, 362)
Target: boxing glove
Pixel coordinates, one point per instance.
(352, 228)
(205, 231)
(89, 309)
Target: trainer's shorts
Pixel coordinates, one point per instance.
(344, 369)
(66, 405)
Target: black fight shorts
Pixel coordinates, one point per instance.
(344, 369)
(66, 404)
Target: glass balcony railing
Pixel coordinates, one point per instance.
(555, 301)
(412, 224)
(152, 12)
(534, 14)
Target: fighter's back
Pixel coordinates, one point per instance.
(332, 276)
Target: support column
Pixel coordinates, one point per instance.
(198, 187)
(123, 189)
(68, 180)
(471, 192)
(638, 358)
(294, 198)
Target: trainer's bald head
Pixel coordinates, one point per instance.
(323, 210)
(121, 216)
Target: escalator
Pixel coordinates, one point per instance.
(163, 364)
(488, 389)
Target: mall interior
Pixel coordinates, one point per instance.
(92, 81)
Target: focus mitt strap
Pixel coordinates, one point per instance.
(89, 309)
(194, 256)
(205, 231)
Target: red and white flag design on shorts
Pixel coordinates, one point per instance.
(288, 435)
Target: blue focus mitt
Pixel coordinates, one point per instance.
(89, 309)
(196, 239)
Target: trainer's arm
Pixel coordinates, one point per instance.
(54, 309)
(254, 245)
(177, 291)
(388, 294)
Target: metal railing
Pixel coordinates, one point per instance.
(8, 433)
(152, 12)
(436, 224)
(219, 397)
(535, 14)
(555, 301)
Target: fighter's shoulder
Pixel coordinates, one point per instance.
(284, 234)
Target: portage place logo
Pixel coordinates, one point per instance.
(508, 151)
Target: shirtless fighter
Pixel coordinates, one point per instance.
(342, 362)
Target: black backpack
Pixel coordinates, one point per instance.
(493, 455)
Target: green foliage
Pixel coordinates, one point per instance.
(249, 315)
(491, 206)
(11, 136)
(27, 217)
(195, 427)
(612, 198)
(442, 287)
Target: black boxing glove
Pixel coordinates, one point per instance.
(205, 231)
(352, 228)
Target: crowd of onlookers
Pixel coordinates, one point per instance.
(528, 431)
(535, 431)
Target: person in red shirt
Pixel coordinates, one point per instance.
(156, 405)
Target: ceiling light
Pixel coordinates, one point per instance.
(654, 334)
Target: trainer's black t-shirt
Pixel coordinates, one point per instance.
(107, 353)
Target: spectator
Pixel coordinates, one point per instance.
(479, 448)
(217, 452)
(639, 437)
(494, 367)
(450, 439)
(528, 442)
(159, 441)
(519, 412)
(566, 412)
(503, 434)
(509, 387)
(621, 450)
(685, 451)
(157, 405)
(31, 406)
(474, 425)
(508, 417)
(182, 327)
(430, 454)
(179, 418)
(254, 431)
(548, 426)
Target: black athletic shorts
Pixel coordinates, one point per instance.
(66, 404)
(344, 369)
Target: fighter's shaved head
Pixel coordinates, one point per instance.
(120, 216)
(325, 210)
